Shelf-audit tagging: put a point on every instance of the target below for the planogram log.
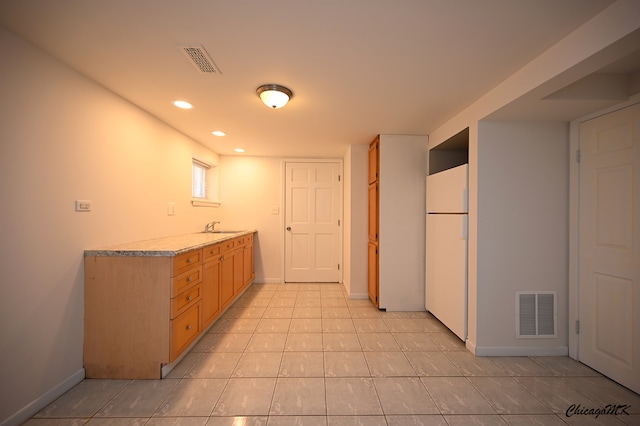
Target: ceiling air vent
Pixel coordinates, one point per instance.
(200, 59)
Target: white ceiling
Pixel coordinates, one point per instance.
(357, 67)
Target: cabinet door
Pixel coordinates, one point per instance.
(211, 291)
(185, 329)
(238, 271)
(373, 160)
(373, 273)
(226, 278)
(373, 212)
(248, 264)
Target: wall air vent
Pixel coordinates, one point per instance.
(200, 59)
(536, 314)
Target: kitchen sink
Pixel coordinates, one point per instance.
(220, 232)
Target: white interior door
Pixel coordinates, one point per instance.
(313, 209)
(609, 274)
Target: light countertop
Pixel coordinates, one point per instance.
(167, 246)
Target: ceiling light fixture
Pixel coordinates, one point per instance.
(218, 133)
(183, 104)
(274, 96)
(239, 150)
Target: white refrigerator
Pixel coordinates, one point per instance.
(446, 248)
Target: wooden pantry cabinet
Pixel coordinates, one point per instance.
(143, 311)
(374, 167)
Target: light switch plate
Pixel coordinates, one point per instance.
(84, 205)
(171, 209)
(275, 210)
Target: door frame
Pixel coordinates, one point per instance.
(283, 203)
(574, 216)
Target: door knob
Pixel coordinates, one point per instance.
(288, 228)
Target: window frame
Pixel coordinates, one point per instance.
(206, 172)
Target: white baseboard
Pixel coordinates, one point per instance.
(358, 296)
(29, 410)
(471, 346)
(521, 351)
(269, 281)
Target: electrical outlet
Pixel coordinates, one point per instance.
(275, 210)
(84, 205)
(171, 209)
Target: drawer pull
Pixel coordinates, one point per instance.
(189, 327)
(222, 258)
(190, 298)
(189, 260)
(189, 279)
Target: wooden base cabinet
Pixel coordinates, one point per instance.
(126, 321)
(185, 328)
(211, 275)
(226, 278)
(238, 268)
(186, 301)
(248, 273)
(142, 312)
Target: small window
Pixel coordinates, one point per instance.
(199, 179)
(203, 192)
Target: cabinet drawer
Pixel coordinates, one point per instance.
(228, 245)
(185, 261)
(211, 252)
(185, 328)
(248, 238)
(239, 241)
(185, 280)
(185, 299)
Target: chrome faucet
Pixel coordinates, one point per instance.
(210, 227)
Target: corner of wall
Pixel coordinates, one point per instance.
(23, 414)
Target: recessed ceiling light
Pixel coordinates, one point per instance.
(183, 104)
(218, 133)
(239, 150)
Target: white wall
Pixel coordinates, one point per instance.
(249, 188)
(522, 230)
(356, 163)
(607, 37)
(62, 138)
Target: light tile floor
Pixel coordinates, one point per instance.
(303, 354)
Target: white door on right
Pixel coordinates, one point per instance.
(609, 274)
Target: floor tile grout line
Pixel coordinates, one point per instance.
(394, 334)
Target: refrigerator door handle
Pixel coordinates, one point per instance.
(465, 227)
(465, 200)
